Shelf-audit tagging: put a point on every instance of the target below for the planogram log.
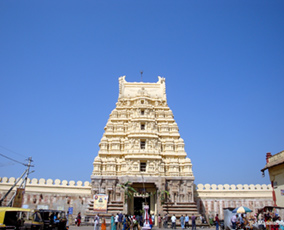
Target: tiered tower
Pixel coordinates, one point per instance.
(142, 145)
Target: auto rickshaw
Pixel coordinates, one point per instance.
(19, 218)
(53, 219)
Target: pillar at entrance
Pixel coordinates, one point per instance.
(142, 144)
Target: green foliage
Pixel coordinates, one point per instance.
(163, 194)
(128, 190)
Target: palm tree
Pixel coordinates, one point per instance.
(128, 192)
(163, 194)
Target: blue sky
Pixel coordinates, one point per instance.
(223, 62)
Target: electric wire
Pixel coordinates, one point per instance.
(11, 159)
(1, 146)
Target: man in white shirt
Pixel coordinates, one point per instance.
(234, 221)
(116, 221)
(173, 221)
(186, 220)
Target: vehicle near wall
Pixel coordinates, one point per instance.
(20, 218)
(53, 219)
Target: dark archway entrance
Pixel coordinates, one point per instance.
(138, 204)
(146, 193)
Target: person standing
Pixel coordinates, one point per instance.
(153, 219)
(135, 223)
(234, 221)
(138, 220)
(182, 221)
(165, 221)
(173, 221)
(141, 220)
(120, 219)
(112, 223)
(193, 223)
(159, 221)
(201, 219)
(103, 225)
(97, 222)
(79, 219)
(151, 222)
(186, 220)
(241, 220)
(67, 222)
(217, 222)
(116, 221)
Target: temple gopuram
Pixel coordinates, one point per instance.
(141, 148)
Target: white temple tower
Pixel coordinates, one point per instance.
(141, 144)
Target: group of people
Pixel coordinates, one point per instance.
(132, 222)
(122, 222)
(184, 221)
(242, 221)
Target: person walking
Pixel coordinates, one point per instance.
(173, 221)
(217, 222)
(186, 220)
(193, 223)
(182, 221)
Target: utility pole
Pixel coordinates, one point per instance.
(22, 186)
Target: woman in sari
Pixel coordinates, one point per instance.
(103, 226)
(112, 222)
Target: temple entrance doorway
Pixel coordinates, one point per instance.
(146, 193)
(139, 203)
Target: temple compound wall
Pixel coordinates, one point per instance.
(210, 199)
(50, 194)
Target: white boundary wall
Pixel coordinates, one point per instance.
(210, 199)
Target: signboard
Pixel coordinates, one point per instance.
(70, 210)
(100, 202)
(18, 200)
(41, 206)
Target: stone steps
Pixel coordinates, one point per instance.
(115, 207)
(179, 209)
(112, 208)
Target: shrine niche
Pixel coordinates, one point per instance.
(141, 145)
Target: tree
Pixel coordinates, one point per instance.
(163, 194)
(128, 190)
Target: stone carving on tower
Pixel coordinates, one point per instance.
(142, 144)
